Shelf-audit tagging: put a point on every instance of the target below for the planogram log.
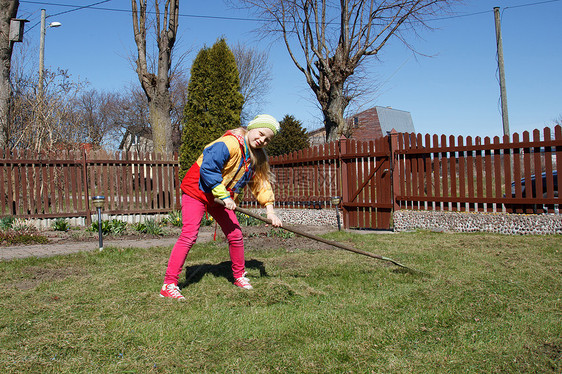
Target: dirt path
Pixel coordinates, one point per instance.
(255, 237)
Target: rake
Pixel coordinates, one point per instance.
(322, 240)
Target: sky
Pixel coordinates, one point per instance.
(451, 86)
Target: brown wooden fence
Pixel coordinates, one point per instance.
(399, 171)
(307, 178)
(414, 171)
(448, 173)
(357, 172)
(61, 184)
(366, 183)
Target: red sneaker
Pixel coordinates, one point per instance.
(243, 282)
(171, 290)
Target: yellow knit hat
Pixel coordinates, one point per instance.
(264, 120)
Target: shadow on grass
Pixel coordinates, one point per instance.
(194, 274)
(407, 270)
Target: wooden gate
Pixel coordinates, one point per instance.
(367, 180)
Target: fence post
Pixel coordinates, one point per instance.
(394, 168)
(177, 181)
(342, 142)
(86, 188)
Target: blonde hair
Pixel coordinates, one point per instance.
(259, 159)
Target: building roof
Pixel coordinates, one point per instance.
(379, 120)
(399, 120)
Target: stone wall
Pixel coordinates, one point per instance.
(503, 223)
(407, 220)
(310, 217)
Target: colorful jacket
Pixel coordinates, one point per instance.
(223, 170)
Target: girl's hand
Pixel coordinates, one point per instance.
(275, 221)
(229, 204)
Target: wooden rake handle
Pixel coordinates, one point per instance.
(320, 239)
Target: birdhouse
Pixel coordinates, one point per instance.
(16, 29)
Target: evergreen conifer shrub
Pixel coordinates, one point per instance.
(214, 103)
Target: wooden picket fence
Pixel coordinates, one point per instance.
(455, 174)
(422, 172)
(373, 178)
(61, 184)
(356, 172)
(306, 178)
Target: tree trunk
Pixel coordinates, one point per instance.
(157, 86)
(333, 106)
(334, 123)
(8, 10)
(161, 123)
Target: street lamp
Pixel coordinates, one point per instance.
(336, 202)
(42, 48)
(98, 203)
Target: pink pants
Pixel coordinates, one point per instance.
(192, 211)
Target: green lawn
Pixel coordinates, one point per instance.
(491, 305)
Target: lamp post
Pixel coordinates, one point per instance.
(42, 48)
(336, 202)
(98, 203)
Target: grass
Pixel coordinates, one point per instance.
(491, 305)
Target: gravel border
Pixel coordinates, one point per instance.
(502, 223)
(408, 220)
(309, 217)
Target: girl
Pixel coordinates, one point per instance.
(225, 167)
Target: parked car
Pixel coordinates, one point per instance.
(533, 185)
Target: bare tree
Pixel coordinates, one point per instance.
(124, 114)
(178, 91)
(329, 39)
(133, 112)
(156, 85)
(56, 117)
(48, 121)
(255, 77)
(98, 118)
(69, 114)
(8, 10)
